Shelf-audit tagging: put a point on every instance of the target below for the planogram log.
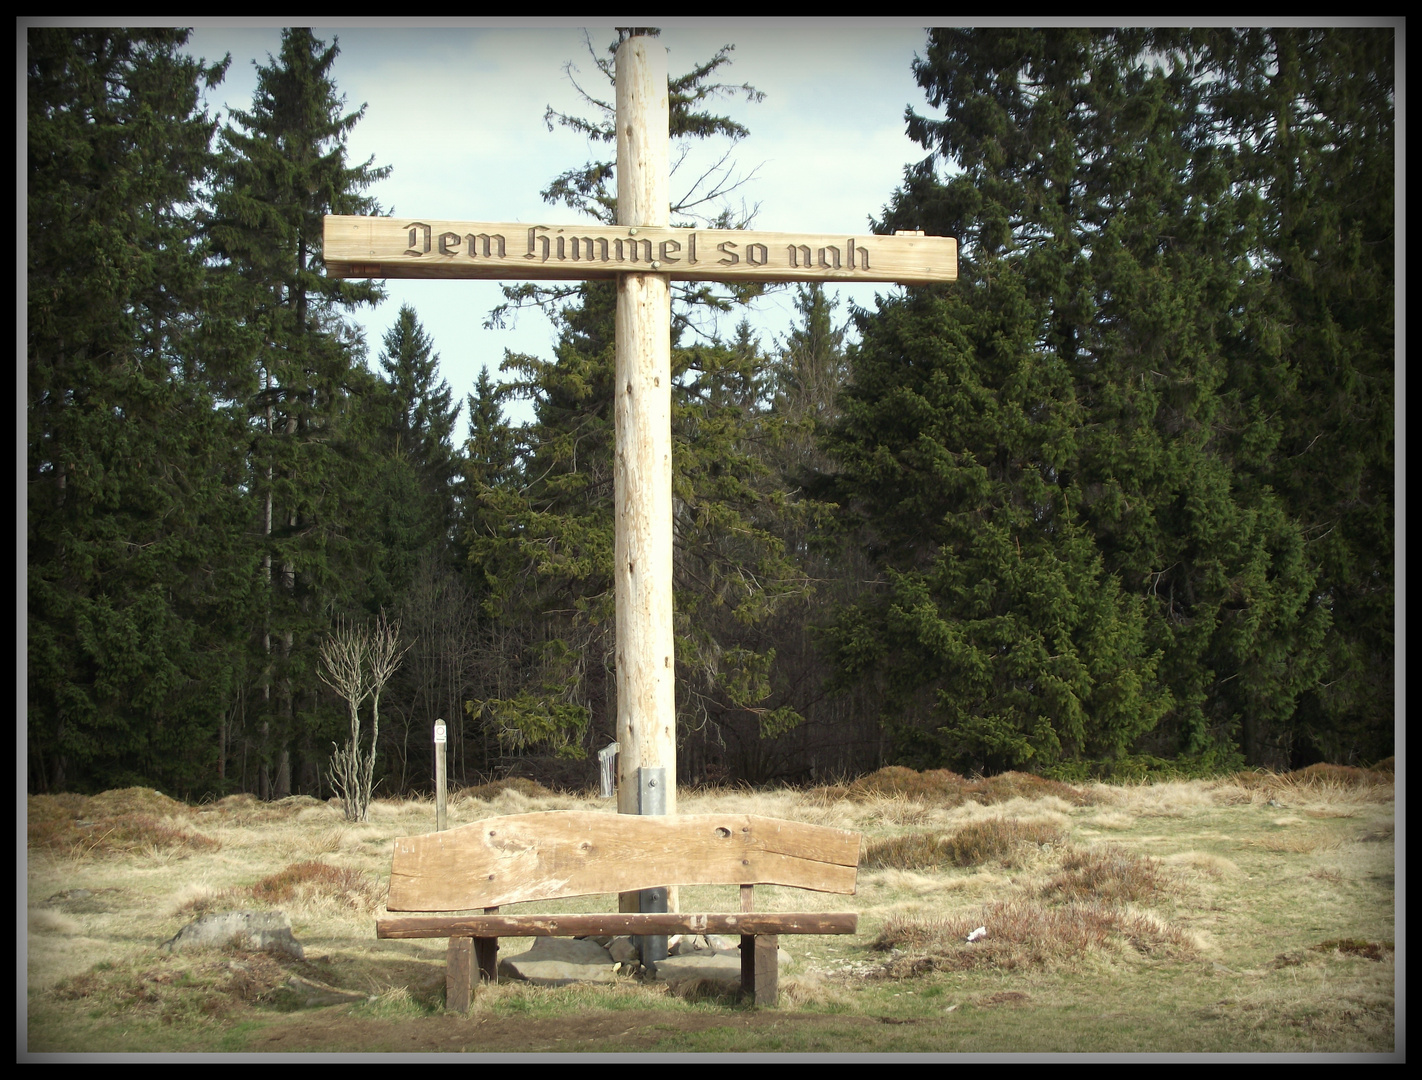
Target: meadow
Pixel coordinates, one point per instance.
(1248, 913)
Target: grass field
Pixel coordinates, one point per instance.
(1248, 913)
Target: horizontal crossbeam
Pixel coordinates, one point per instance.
(404, 247)
(615, 924)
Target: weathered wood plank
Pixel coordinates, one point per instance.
(617, 924)
(767, 969)
(409, 247)
(458, 974)
(572, 853)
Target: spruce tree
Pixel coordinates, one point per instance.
(1312, 112)
(1120, 318)
(138, 583)
(412, 420)
(284, 168)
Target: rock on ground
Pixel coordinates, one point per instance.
(267, 931)
(559, 961)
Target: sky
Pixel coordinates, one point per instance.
(457, 111)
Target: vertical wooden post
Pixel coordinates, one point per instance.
(460, 952)
(441, 790)
(646, 698)
(459, 974)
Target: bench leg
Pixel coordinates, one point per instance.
(760, 967)
(458, 974)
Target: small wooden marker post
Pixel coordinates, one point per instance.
(441, 788)
(644, 254)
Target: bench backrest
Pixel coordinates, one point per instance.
(556, 854)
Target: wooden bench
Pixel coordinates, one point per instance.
(548, 856)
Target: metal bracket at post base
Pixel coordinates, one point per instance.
(652, 799)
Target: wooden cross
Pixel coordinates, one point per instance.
(644, 254)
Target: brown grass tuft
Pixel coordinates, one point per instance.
(1106, 875)
(1016, 785)
(135, 800)
(1299, 845)
(1370, 950)
(992, 838)
(108, 826)
(912, 851)
(942, 787)
(308, 880)
(1316, 778)
(971, 845)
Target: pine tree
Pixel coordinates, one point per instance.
(284, 167)
(138, 584)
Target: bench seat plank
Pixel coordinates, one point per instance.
(551, 855)
(616, 924)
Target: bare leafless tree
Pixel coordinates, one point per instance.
(357, 664)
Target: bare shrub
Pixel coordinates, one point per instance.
(357, 664)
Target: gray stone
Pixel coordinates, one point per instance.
(558, 962)
(624, 950)
(717, 967)
(265, 931)
(688, 944)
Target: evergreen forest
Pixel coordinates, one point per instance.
(1119, 501)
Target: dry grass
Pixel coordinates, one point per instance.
(972, 845)
(944, 788)
(1300, 845)
(1369, 950)
(178, 988)
(1206, 880)
(1106, 875)
(297, 889)
(1024, 933)
(529, 789)
(1204, 862)
(133, 820)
